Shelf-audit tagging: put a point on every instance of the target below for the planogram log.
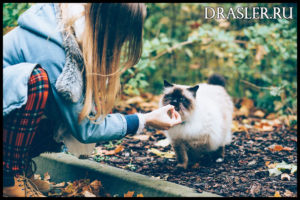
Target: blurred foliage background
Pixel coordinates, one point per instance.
(258, 58)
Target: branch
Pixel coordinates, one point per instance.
(169, 50)
(255, 86)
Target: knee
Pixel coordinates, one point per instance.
(38, 86)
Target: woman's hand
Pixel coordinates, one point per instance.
(163, 118)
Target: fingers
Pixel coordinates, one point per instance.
(168, 107)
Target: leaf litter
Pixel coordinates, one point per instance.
(262, 149)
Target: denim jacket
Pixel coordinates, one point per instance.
(37, 40)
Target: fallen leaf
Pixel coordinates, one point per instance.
(285, 177)
(284, 166)
(277, 194)
(277, 168)
(163, 143)
(119, 148)
(169, 154)
(275, 147)
(274, 172)
(96, 184)
(141, 137)
(287, 148)
(288, 193)
(271, 116)
(253, 162)
(69, 189)
(86, 193)
(259, 114)
(46, 176)
(129, 194)
(255, 188)
(245, 108)
(62, 184)
(140, 195)
(37, 176)
(267, 163)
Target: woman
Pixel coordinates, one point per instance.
(62, 65)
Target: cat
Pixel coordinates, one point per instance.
(206, 111)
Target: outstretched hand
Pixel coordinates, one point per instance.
(163, 118)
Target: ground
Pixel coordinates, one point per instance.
(258, 146)
(261, 161)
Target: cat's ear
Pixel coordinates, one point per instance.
(194, 89)
(167, 84)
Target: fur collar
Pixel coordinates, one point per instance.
(70, 82)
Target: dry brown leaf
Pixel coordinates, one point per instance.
(246, 106)
(273, 165)
(260, 138)
(267, 163)
(37, 176)
(70, 189)
(271, 116)
(287, 148)
(255, 188)
(140, 195)
(263, 126)
(275, 147)
(277, 194)
(46, 177)
(285, 177)
(288, 193)
(259, 114)
(62, 184)
(86, 187)
(86, 193)
(129, 194)
(96, 184)
(119, 148)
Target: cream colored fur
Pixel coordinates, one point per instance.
(207, 127)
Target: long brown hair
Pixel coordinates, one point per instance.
(112, 33)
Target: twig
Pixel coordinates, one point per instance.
(255, 86)
(169, 50)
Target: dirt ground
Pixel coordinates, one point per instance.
(243, 173)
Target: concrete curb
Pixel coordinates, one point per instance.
(64, 167)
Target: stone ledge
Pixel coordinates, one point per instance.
(64, 167)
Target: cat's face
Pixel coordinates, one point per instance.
(183, 98)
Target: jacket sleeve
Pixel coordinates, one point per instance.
(113, 126)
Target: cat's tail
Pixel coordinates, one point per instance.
(216, 79)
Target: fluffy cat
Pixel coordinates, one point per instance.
(206, 111)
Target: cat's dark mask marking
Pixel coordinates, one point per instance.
(167, 84)
(176, 98)
(194, 90)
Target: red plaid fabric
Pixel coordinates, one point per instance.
(19, 127)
